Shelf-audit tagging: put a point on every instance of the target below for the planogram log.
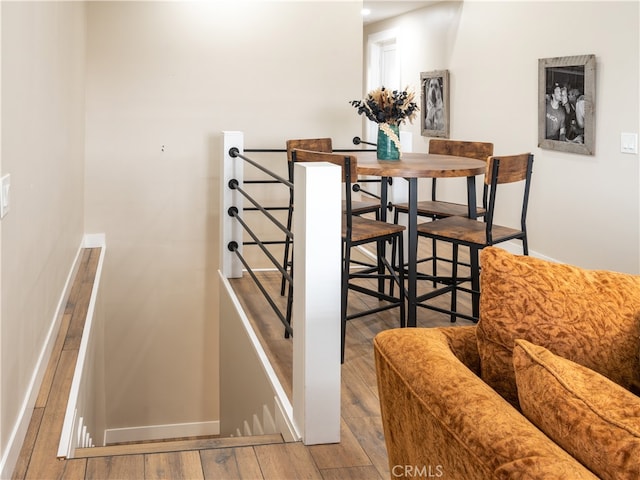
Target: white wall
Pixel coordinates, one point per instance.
(43, 150)
(177, 74)
(584, 210)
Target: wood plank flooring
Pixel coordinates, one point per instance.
(361, 454)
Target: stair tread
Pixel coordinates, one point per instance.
(178, 445)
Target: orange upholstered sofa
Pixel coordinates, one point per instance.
(541, 388)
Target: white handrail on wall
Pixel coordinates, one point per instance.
(84, 416)
(314, 413)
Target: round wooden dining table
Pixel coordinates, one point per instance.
(411, 167)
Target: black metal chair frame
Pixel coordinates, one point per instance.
(288, 243)
(434, 258)
(385, 270)
(434, 215)
(454, 283)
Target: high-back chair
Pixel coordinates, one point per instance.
(459, 230)
(435, 208)
(318, 145)
(360, 207)
(356, 231)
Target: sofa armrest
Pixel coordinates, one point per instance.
(439, 417)
(464, 345)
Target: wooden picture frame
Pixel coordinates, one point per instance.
(434, 87)
(566, 104)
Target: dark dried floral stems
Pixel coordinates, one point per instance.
(388, 106)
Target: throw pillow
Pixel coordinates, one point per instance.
(592, 418)
(589, 316)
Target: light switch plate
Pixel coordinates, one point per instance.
(629, 143)
(5, 188)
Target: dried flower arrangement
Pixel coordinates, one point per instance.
(392, 107)
(389, 109)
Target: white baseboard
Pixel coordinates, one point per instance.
(159, 432)
(16, 439)
(515, 247)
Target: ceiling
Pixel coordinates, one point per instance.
(383, 9)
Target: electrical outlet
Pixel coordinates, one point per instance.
(5, 187)
(629, 143)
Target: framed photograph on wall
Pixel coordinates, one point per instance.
(566, 104)
(434, 88)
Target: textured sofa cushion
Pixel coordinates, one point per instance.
(589, 316)
(440, 417)
(592, 418)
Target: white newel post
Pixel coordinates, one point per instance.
(317, 257)
(230, 230)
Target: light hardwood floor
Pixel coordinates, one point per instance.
(361, 454)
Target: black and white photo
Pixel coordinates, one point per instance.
(566, 94)
(435, 103)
